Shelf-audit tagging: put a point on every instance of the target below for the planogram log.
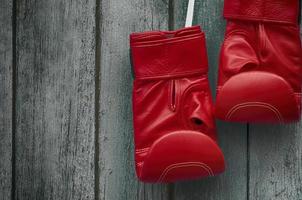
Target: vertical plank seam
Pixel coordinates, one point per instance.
(248, 161)
(171, 190)
(97, 98)
(171, 26)
(14, 90)
(300, 15)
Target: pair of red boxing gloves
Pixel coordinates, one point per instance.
(259, 80)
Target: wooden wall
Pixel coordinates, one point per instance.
(65, 107)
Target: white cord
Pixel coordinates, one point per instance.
(190, 13)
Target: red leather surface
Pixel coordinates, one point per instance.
(192, 155)
(260, 68)
(176, 53)
(174, 128)
(283, 11)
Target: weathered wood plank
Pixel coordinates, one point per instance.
(119, 19)
(232, 137)
(6, 59)
(276, 161)
(55, 99)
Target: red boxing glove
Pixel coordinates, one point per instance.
(174, 128)
(260, 68)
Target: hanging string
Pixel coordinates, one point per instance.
(190, 13)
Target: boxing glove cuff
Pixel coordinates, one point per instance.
(281, 11)
(178, 53)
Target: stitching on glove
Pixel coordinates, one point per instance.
(183, 165)
(259, 104)
(174, 75)
(164, 41)
(142, 150)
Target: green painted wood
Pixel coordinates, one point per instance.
(232, 185)
(276, 161)
(55, 99)
(6, 59)
(118, 19)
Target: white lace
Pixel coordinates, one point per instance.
(190, 13)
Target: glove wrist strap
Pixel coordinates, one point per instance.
(280, 11)
(167, 54)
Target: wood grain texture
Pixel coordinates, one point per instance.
(232, 185)
(55, 99)
(118, 20)
(6, 59)
(276, 161)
